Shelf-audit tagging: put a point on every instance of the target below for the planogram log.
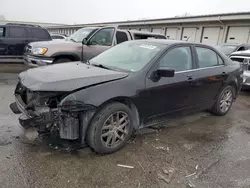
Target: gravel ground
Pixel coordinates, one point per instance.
(200, 150)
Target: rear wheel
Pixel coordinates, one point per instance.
(224, 101)
(110, 129)
(62, 60)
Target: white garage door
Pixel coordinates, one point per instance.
(189, 34)
(157, 30)
(210, 35)
(171, 33)
(238, 35)
(146, 29)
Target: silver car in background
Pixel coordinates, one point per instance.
(243, 57)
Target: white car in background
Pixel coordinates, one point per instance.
(58, 36)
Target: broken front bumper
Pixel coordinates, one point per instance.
(29, 118)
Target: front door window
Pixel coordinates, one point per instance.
(103, 37)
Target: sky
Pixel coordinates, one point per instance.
(94, 11)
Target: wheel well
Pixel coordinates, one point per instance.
(71, 57)
(130, 104)
(235, 87)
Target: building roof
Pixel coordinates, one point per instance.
(176, 19)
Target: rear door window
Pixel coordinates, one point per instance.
(2, 31)
(121, 37)
(17, 32)
(39, 33)
(208, 58)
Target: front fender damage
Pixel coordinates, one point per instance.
(62, 122)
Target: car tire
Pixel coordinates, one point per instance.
(224, 101)
(105, 137)
(62, 60)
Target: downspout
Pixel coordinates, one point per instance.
(219, 20)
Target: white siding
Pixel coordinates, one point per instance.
(146, 29)
(172, 33)
(238, 35)
(189, 34)
(157, 30)
(210, 35)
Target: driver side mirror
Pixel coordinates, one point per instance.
(84, 41)
(165, 72)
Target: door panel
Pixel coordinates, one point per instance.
(169, 95)
(157, 30)
(16, 40)
(211, 75)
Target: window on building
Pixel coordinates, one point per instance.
(121, 37)
(17, 32)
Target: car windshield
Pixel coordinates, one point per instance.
(128, 56)
(80, 34)
(226, 49)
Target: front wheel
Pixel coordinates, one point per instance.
(224, 101)
(110, 129)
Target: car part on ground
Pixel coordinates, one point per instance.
(82, 45)
(130, 86)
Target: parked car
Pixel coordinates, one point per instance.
(58, 36)
(243, 57)
(81, 45)
(229, 48)
(130, 86)
(14, 37)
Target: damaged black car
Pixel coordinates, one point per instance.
(130, 86)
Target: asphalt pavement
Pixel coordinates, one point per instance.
(199, 150)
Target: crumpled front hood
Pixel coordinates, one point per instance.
(67, 77)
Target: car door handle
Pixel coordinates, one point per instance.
(190, 79)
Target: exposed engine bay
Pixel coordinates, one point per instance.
(64, 121)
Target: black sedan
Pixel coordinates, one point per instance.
(128, 87)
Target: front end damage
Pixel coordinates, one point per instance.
(62, 122)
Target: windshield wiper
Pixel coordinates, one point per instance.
(101, 66)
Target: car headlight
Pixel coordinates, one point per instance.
(39, 51)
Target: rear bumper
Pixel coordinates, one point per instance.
(34, 61)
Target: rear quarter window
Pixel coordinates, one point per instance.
(39, 33)
(208, 57)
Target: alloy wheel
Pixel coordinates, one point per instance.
(115, 129)
(226, 100)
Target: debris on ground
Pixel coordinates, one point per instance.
(124, 166)
(168, 174)
(190, 175)
(161, 148)
(165, 172)
(164, 178)
(190, 185)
